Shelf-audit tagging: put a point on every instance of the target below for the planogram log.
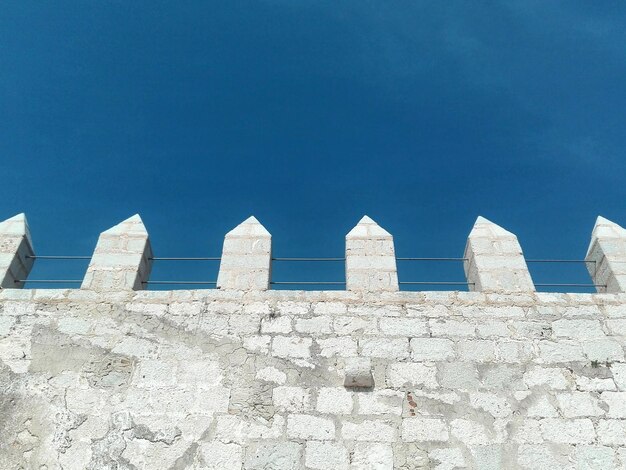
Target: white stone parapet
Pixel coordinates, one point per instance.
(606, 256)
(246, 257)
(370, 258)
(494, 261)
(122, 259)
(15, 249)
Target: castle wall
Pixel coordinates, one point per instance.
(230, 380)
(111, 376)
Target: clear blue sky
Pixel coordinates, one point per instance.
(308, 115)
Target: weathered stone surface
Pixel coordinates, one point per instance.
(335, 401)
(326, 456)
(246, 257)
(122, 259)
(358, 373)
(494, 260)
(318, 380)
(372, 456)
(606, 256)
(16, 251)
(310, 427)
(424, 429)
(370, 258)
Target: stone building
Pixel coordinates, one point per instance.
(112, 376)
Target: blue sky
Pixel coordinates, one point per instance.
(308, 115)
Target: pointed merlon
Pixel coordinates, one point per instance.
(606, 256)
(494, 261)
(370, 258)
(16, 252)
(122, 259)
(246, 257)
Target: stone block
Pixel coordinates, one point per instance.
(403, 375)
(372, 456)
(492, 403)
(403, 327)
(292, 399)
(606, 256)
(543, 457)
(339, 346)
(291, 347)
(122, 259)
(219, 456)
(541, 407)
(459, 376)
(432, 349)
(477, 350)
(276, 325)
(370, 258)
(271, 374)
(494, 260)
(619, 375)
(447, 458)
(368, 430)
(274, 455)
(577, 329)
(574, 431)
(310, 427)
(358, 373)
(388, 348)
(603, 350)
(355, 325)
(336, 401)
(16, 252)
(454, 328)
(579, 405)
(326, 456)
(592, 457)
(471, 432)
(424, 430)
(319, 325)
(549, 377)
(561, 351)
(380, 402)
(616, 402)
(246, 258)
(612, 432)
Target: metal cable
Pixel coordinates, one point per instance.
(308, 259)
(56, 257)
(180, 282)
(560, 261)
(70, 257)
(333, 283)
(569, 285)
(440, 283)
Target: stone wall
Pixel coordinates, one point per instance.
(231, 380)
(110, 376)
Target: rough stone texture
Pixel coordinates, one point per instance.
(494, 261)
(358, 373)
(370, 258)
(216, 379)
(15, 248)
(607, 256)
(246, 257)
(122, 258)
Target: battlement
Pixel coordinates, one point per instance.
(493, 260)
(243, 377)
